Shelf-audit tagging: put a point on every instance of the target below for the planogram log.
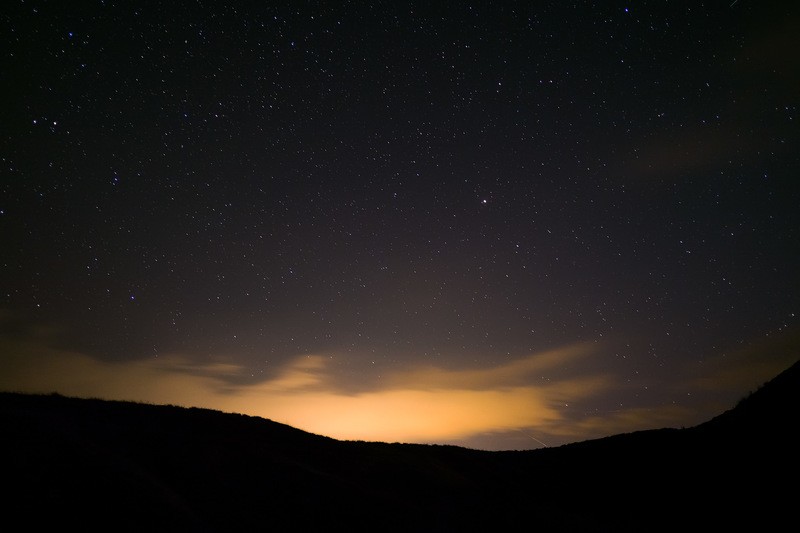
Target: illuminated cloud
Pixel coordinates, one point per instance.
(416, 405)
(529, 396)
(515, 372)
(618, 421)
(423, 404)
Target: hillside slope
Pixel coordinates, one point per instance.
(123, 466)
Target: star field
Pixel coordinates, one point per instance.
(354, 192)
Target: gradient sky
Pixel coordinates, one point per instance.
(500, 225)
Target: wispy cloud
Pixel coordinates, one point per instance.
(421, 404)
(529, 397)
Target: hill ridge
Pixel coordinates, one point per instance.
(138, 466)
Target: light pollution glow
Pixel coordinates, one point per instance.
(420, 404)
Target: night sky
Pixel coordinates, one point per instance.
(501, 225)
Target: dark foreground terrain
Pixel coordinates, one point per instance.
(75, 464)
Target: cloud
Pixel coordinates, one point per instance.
(697, 149)
(514, 372)
(532, 398)
(619, 421)
(422, 404)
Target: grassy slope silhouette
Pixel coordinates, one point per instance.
(123, 466)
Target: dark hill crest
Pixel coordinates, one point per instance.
(123, 466)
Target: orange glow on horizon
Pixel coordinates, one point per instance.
(414, 404)
(418, 404)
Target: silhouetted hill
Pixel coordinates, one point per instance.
(766, 409)
(121, 466)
